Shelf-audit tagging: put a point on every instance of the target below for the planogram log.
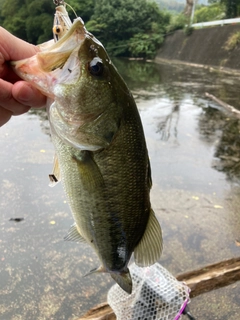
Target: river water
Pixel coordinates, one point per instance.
(194, 152)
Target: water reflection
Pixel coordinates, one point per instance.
(224, 133)
(139, 75)
(181, 85)
(169, 123)
(228, 151)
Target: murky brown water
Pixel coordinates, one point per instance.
(194, 150)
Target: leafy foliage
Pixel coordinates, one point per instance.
(209, 13)
(232, 8)
(143, 45)
(83, 8)
(129, 27)
(32, 20)
(126, 27)
(232, 41)
(28, 20)
(177, 22)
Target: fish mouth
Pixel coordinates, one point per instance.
(56, 62)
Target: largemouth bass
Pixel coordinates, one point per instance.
(101, 153)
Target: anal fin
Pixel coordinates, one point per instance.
(149, 249)
(74, 235)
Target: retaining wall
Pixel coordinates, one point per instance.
(202, 47)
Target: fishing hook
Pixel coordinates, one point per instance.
(63, 3)
(58, 2)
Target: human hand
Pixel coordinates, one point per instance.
(16, 97)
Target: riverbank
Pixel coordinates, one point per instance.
(205, 48)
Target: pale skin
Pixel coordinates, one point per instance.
(16, 96)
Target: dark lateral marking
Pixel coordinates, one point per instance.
(16, 219)
(70, 70)
(53, 178)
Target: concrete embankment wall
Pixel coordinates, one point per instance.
(203, 47)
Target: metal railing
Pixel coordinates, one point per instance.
(216, 23)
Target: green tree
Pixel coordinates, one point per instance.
(39, 20)
(126, 27)
(178, 21)
(232, 8)
(13, 15)
(32, 20)
(215, 11)
(129, 27)
(83, 8)
(29, 20)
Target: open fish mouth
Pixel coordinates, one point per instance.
(56, 62)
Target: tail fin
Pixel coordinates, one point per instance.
(124, 280)
(149, 249)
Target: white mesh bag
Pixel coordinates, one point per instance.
(156, 295)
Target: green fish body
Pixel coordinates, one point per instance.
(101, 153)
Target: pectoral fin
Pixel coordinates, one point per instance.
(74, 235)
(149, 249)
(55, 175)
(90, 174)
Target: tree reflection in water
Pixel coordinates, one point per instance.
(164, 126)
(216, 127)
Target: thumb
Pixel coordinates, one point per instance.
(27, 95)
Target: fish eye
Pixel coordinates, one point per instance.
(95, 67)
(57, 29)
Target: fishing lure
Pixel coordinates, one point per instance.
(61, 21)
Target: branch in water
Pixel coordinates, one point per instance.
(226, 106)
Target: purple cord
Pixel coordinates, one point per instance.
(182, 309)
